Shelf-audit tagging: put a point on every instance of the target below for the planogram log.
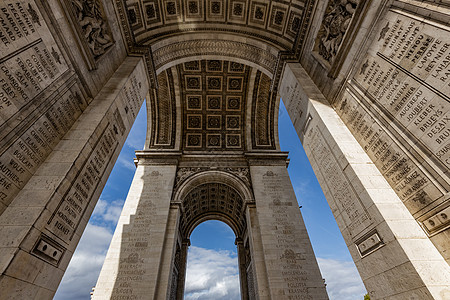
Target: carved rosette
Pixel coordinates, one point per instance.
(336, 21)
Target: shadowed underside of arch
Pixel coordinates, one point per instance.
(181, 39)
(213, 106)
(213, 201)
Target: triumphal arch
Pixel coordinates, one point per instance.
(366, 84)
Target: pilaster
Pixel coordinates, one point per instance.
(290, 264)
(140, 255)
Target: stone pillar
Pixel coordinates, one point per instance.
(291, 267)
(41, 227)
(182, 272)
(168, 255)
(393, 254)
(258, 284)
(242, 269)
(138, 262)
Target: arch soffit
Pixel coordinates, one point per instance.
(267, 20)
(214, 217)
(261, 106)
(213, 176)
(172, 51)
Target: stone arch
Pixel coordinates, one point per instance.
(71, 125)
(185, 185)
(212, 195)
(169, 110)
(224, 46)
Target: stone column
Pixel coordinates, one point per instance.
(182, 272)
(292, 270)
(41, 227)
(166, 265)
(242, 269)
(393, 254)
(257, 281)
(137, 265)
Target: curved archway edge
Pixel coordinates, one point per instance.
(71, 95)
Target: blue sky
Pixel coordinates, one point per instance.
(212, 242)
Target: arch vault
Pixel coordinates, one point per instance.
(366, 84)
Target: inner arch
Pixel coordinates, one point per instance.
(212, 263)
(213, 201)
(212, 195)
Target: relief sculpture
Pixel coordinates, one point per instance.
(336, 21)
(93, 25)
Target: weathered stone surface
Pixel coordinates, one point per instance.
(212, 72)
(48, 216)
(132, 265)
(376, 225)
(288, 258)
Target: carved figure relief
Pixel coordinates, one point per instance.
(94, 27)
(336, 21)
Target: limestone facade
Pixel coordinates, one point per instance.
(366, 84)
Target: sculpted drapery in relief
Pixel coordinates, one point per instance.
(337, 18)
(89, 14)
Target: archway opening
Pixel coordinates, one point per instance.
(212, 263)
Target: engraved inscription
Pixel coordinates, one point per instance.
(407, 74)
(346, 203)
(71, 209)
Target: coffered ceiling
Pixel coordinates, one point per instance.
(275, 22)
(212, 105)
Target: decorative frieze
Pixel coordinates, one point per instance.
(263, 110)
(175, 51)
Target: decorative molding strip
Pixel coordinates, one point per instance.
(186, 172)
(163, 113)
(183, 49)
(263, 107)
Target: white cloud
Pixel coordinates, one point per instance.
(302, 189)
(84, 268)
(212, 274)
(136, 140)
(107, 211)
(127, 163)
(342, 279)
